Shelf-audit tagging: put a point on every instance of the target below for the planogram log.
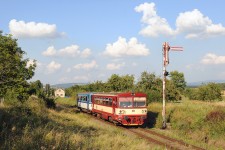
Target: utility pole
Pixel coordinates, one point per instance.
(165, 53)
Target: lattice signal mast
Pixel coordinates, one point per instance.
(165, 52)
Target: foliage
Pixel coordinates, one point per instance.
(177, 78)
(148, 83)
(191, 93)
(210, 92)
(172, 92)
(36, 88)
(206, 92)
(14, 71)
(123, 83)
(115, 83)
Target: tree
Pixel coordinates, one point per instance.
(127, 82)
(210, 92)
(178, 80)
(149, 81)
(14, 71)
(172, 93)
(150, 84)
(120, 83)
(36, 88)
(114, 83)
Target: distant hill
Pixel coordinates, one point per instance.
(196, 84)
(66, 85)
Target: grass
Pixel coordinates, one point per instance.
(68, 101)
(33, 126)
(192, 121)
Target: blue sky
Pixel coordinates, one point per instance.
(86, 41)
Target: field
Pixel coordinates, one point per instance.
(33, 126)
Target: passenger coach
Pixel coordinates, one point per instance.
(84, 102)
(120, 108)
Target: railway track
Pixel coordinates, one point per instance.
(154, 137)
(163, 140)
(157, 138)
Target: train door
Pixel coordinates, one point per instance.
(114, 104)
(89, 102)
(78, 101)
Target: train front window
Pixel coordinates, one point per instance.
(139, 101)
(125, 102)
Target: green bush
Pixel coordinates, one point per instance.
(210, 92)
(206, 92)
(50, 102)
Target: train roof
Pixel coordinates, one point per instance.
(122, 94)
(85, 93)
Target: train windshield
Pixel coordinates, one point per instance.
(125, 102)
(139, 101)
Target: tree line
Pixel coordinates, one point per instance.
(148, 83)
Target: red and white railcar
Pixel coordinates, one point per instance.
(120, 108)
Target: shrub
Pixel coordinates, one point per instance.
(210, 91)
(50, 102)
(215, 116)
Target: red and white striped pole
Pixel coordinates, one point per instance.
(165, 52)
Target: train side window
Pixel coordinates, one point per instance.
(84, 98)
(101, 101)
(107, 102)
(96, 100)
(110, 102)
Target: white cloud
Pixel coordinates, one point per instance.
(122, 48)
(87, 66)
(69, 51)
(114, 66)
(86, 52)
(33, 29)
(191, 23)
(53, 66)
(194, 24)
(155, 25)
(213, 59)
(50, 51)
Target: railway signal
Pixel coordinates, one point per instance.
(165, 53)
